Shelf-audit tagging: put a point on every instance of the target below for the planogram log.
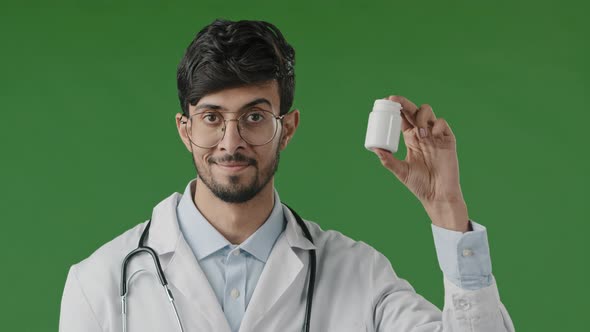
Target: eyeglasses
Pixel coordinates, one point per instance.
(257, 127)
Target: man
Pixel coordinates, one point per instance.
(236, 259)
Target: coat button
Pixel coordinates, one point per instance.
(467, 252)
(235, 293)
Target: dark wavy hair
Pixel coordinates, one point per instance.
(227, 54)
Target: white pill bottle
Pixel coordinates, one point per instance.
(385, 123)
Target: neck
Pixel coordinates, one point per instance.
(236, 222)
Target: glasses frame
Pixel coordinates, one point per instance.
(189, 118)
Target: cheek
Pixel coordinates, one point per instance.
(201, 160)
(268, 157)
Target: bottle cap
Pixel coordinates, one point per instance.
(387, 105)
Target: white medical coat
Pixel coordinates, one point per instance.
(356, 288)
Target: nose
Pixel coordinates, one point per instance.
(231, 140)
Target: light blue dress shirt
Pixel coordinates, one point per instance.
(234, 270)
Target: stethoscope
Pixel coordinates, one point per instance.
(143, 248)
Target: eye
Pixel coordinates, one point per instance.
(211, 116)
(255, 116)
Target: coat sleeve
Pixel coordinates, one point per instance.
(76, 314)
(397, 307)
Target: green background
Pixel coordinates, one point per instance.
(89, 146)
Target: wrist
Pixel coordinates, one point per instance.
(449, 215)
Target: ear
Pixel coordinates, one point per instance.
(290, 124)
(181, 125)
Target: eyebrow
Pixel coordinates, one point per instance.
(246, 106)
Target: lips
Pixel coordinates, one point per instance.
(235, 167)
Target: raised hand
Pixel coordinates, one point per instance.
(431, 169)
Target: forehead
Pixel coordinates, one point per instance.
(235, 99)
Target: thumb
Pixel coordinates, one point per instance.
(398, 167)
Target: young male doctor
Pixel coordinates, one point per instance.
(234, 256)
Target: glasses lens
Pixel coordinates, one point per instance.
(206, 128)
(257, 127)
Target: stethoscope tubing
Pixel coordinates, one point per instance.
(142, 248)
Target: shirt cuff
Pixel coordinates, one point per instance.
(464, 258)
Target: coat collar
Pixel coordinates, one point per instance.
(165, 233)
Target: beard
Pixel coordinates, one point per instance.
(235, 192)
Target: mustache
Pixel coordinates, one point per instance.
(238, 158)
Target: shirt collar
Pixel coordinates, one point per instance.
(205, 240)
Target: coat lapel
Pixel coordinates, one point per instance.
(281, 269)
(186, 276)
(182, 268)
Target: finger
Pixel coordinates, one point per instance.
(441, 129)
(409, 109)
(425, 116)
(399, 168)
(405, 123)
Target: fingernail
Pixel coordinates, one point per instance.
(422, 132)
